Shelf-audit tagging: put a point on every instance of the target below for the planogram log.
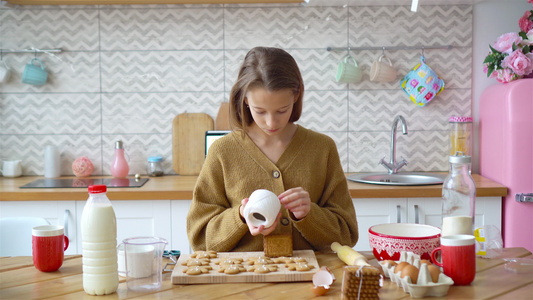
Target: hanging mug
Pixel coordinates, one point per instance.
(34, 74)
(382, 71)
(5, 72)
(348, 71)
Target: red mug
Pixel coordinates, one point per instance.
(48, 245)
(458, 253)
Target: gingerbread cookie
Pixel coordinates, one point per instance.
(229, 261)
(231, 269)
(196, 262)
(299, 266)
(197, 270)
(204, 254)
(263, 269)
(262, 260)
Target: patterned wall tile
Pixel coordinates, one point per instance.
(430, 25)
(161, 29)
(162, 71)
(325, 111)
(30, 149)
(67, 72)
(374, 110)
(50, 114)
(69, 29)
(156, 61)
(284, 27)
(137, 148)
(423, 150)
(141, 113)
(318, 67)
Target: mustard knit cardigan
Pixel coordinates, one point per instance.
(235, 167)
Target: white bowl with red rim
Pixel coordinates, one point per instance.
(389, 240)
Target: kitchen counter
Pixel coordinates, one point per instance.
(181, 188)
(19, 279)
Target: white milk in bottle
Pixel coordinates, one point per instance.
(99, 242)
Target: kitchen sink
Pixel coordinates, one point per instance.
(400, 178)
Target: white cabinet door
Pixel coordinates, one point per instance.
(138, 218)
(373, 211)
(56, 212)
(424, 211)
(180, 241)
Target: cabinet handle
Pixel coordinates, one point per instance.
(398, 214)
(524, 197)
(65, 219)
(417, 220)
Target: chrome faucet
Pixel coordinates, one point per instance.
(392, 166)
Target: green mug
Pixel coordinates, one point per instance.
(33, 74)
(348, 71)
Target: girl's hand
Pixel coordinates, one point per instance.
(261, 229)
(297, 201)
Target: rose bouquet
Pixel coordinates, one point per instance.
(510, 57)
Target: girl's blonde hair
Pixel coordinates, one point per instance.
(272, 69)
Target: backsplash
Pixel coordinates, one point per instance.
(126, 71)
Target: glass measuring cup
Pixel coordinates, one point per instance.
(143, 261)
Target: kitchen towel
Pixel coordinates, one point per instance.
(422, 84)
(262, 208)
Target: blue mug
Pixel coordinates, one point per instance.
(33, 74)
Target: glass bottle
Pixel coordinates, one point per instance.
(154, 168)
(119, 166)
(99, 242)
(458, 197)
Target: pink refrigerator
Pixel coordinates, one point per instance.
(506, 154)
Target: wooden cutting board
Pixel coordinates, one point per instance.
(283, 274)
(188, 142)
(222, 119)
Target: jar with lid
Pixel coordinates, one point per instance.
(458, 197)
(154, 167)
(461, 138)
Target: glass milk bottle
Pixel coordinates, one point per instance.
(99, 242)
(119, 166)
(458, 197)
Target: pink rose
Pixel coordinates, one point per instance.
(525, 23)
(518, 62)
(506, 75)
(505, 42)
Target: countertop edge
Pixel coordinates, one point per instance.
(176, 187)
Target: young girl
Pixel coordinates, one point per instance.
(267, 150)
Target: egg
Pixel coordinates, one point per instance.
(390, 262)
(425, 261)
(434, 271)
(411, 271)
(400, 266)
(322, 280)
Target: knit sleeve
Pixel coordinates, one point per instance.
(332, 218)
(212, 222)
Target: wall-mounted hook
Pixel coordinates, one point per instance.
(383, 51)
(422, 50)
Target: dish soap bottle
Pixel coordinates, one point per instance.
(119, 166)
(458, 197)
(99, 243)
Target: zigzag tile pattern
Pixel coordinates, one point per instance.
(50, 28)
(30, 149)
(161, 29)
(30, 114)
(162, 71)
(285, 27)
(127, 71)
(141, 113)
(440, 25)
(68, 72)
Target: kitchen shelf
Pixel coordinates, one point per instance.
(131, 2)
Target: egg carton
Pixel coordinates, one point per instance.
(424, 287)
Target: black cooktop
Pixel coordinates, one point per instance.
(85, 182)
